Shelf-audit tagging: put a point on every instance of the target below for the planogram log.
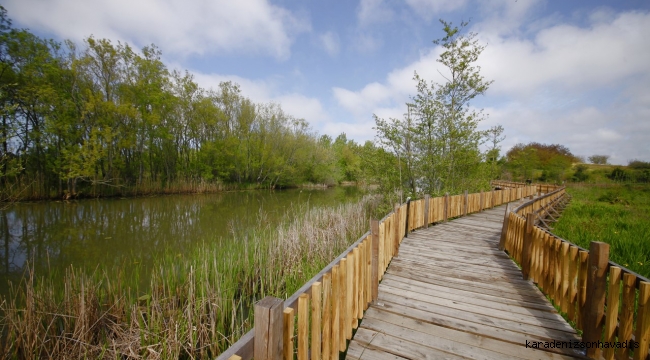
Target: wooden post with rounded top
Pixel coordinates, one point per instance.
(595, 300)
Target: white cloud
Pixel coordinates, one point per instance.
(176, 26)
(330, 41)
(373, 11)
(265, 91)
(570, 56)
(428, 9)
(583, 87)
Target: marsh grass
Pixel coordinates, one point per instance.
(196, 305)
(618, 215)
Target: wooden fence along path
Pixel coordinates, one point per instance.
(450, 291)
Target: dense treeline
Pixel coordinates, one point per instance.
(106, 119)
(539, 162)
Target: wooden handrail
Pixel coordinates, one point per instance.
(349, 283)
(576, 279)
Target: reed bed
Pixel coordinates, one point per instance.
(195, 306)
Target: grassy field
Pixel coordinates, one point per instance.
(198, 304)
(616, 214)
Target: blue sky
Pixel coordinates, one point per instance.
(573, 72)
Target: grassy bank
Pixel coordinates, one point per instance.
(197, 304)
(616, 214)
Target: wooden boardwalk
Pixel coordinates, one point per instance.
(451, 294)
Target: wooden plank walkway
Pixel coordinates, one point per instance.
(451, 294)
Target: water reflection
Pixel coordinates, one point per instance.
(133, 232)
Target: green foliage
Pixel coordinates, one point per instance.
(639, 165)
(615, 214)
(437, 144)
(552, 163)
(619, 174)
(108, 119)
(580, 174)
(599, 159)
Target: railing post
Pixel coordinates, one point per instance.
(528, 239)
(504, 230)
(268, 329)
(426, 211)
(446, 207)
(396, 232)
(466, 204)
(595, 299)
(408, 210)
(493, 200)
(480, 202)
(374, 270)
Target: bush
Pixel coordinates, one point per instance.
(619, 174)
(638, 164)
(581, 174)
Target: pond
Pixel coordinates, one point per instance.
(132, 233)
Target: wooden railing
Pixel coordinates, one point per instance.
(329, 306)
(541, 188)
(608, 302)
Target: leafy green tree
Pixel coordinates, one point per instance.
(439, 139)
(599, 159)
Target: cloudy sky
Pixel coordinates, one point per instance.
(573, 72)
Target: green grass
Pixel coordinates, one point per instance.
(616, 214)
(197, 303)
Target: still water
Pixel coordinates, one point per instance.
(133, 232)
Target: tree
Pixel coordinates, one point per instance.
(554, 161)
(494, 135)
(438, 140)
(599, 159)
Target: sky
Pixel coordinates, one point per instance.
(575, 73)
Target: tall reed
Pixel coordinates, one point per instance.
(195, 307)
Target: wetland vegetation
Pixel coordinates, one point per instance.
(618, 214)
(194, 305)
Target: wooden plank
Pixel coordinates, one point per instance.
(303, 327)
(381, 258)
(396, 231)
(362, 281)
(336, 314)
(582, 284)
(626, 321)
(527, 246)
(611, 319)
(573, 281)
(486, 301)
(316, 310)
(488, 331)
(388, 300)
(327, 317)
(348, 297)
(355, 288)
(642, 334)
(596, 284)
(268, 328)
(374, 275)
(342, 303)
(468, 295)
(556, 323)
(405, 349)
(287, 336)
(503, 288)
(358, 351)
(565, 277)
(376, 320)
(441, 344)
